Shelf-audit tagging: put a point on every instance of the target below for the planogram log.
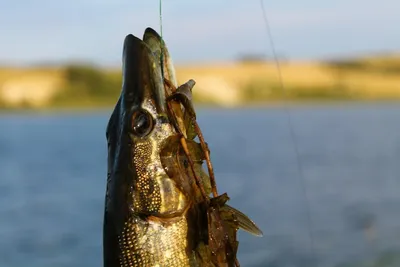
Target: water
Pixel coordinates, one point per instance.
(53, 172)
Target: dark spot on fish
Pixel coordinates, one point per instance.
(129, 97)
(151, 187)
(163, 119)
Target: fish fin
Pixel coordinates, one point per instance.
(244, 222)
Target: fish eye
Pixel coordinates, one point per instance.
(142, 123)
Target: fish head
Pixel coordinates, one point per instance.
(140, 195)
(137, 131)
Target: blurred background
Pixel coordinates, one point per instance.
(333, 203)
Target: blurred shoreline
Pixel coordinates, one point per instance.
(299, 105)
(246, 83)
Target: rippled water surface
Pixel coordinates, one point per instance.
(344, 208)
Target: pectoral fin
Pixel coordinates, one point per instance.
(244, 222)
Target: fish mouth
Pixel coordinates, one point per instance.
(160, 50)
(142, 76)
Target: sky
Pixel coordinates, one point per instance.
(41, 31)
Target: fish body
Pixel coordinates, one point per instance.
(154, 213)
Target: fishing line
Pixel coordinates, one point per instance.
(292, 132)
(289, 117)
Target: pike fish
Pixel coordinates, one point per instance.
(158, 209)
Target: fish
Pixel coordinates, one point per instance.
(158, 210)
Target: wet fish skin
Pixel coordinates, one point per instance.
(154, 214)
(144, 222)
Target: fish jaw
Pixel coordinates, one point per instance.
(142, 79)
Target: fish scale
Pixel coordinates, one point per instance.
(147, 244)
(155, 213)
(149, 199)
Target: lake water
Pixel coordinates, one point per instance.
(343, 207)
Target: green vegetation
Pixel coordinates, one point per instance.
(91, 86)
(252, 81)
(389, 65)
(261, 90)
(88, 86)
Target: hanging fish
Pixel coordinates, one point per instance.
(158, 205)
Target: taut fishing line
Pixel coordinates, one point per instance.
(289, 117)
(292, 132)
